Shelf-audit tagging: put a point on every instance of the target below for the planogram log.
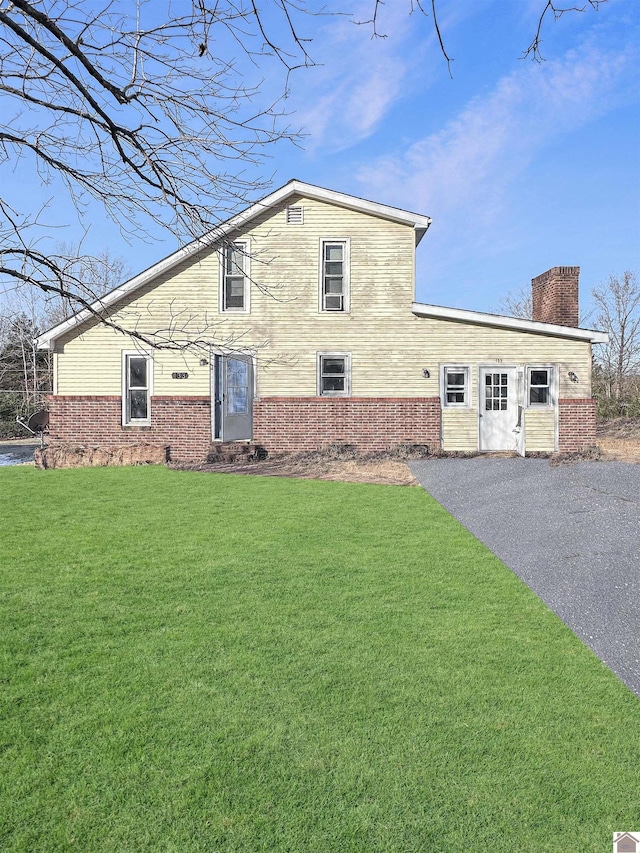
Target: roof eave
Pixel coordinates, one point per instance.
(514, 323)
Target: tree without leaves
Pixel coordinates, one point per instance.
(98, 274)
(136, 113)
(144, 110)
(22, 368)
(25, 373)
(517, 303)
(618, 303)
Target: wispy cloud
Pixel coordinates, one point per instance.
(361, 78)
(471, 163)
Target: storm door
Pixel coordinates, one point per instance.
(500, 409)
(232, 397)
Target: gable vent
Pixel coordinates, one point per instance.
(295, 216)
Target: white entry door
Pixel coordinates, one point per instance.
(500, 409)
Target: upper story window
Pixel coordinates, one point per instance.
(136, 388)
(334, 275)
(456, 391)
(235, 277)
(539, 381)
(334, 374)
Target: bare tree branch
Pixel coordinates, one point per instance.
(437, 29)
(557, 12)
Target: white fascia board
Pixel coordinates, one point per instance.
(419, 223)
(294, 187)
(462, 315)
(417, 220)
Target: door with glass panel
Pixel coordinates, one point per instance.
(232, 397)
(500, 409)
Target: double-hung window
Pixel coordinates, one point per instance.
(235, 277)
(539, 381)
(334, 275)
(334, 374)
(136, 389)
(456, 392)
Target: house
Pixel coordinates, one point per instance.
(294, 325)
(624, 842)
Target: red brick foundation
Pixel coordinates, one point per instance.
(182, 423)
(286, 424)
(576, 424)
(294, 424)
(281, 424)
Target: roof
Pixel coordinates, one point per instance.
(479, 318)
(418, 222)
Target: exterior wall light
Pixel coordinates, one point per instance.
(426, 373)
(573, 376)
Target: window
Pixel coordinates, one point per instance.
(235, 277)
(455, 387)
(539, 384)
(334, 374)
(334, 275)
(237, 386)
(136, 392)
(496, 392)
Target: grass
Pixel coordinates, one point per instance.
(197, 662)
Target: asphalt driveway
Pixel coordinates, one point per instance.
(571, 532)
(16, 452)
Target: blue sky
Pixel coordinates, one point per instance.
(521, 165)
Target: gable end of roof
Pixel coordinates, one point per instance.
(418, 222)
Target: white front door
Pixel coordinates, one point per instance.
(500, 409)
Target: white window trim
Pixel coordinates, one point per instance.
(347, 372)
(553, 386)
(346, 277)
(126, 354)
(457, 368)
(246, 249)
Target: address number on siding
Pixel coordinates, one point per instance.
(179, 375)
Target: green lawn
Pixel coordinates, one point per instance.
(195, 662)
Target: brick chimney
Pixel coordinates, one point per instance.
(555, 296)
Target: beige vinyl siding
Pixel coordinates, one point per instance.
(285, 328)
(540, 430)
(387, 358)
(389, 346)
(460, 429)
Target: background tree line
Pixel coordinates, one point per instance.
(25, 372)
